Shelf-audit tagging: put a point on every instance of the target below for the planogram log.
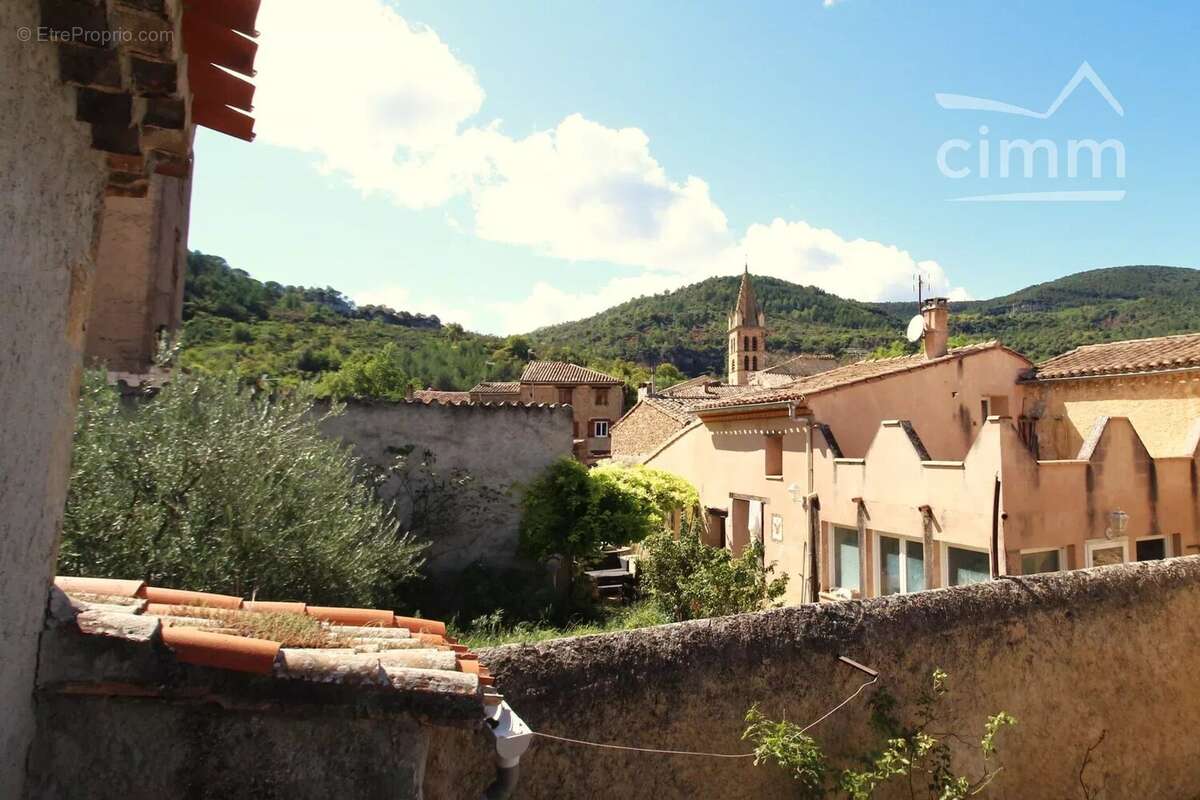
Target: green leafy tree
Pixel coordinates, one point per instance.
(214, 487)
(660, 493)
(567, 513)
(378, 375)
(911, 752)
(689, 579)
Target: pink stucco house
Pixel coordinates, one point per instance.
(946, 467)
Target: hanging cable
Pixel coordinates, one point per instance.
(810, 725)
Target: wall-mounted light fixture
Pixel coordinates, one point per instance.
(1118, 521)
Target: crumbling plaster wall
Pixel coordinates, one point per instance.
(1074, 657)
(502, 447)
(51, 185)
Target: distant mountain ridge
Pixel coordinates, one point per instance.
(687, 326)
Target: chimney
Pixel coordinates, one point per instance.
(645, 390)
(936, 312)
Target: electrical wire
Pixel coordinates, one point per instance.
(810, 725)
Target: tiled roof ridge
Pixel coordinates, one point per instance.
(363, 646)
(798, 356)
(454, 404)
(1093, 345)
(563, 372)
(492, 387)
(1147, 354)
(827, 381)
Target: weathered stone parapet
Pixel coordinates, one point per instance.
(1072, 656)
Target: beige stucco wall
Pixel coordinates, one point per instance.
(50, 198)
(1043, 504)
(942, 401)
(1072, 657)
(1164, 408)
(727, 458)
(140, 269)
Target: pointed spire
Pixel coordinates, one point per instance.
(746, 310)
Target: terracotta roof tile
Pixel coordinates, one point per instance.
(562, 372)
(496, 387)
(1114, 358)
(436, 396)
(355, 646)
(844, 376)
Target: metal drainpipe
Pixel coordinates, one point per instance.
(512, 740)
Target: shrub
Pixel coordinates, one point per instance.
(569, 513)
(689, 579)
(212, 487)
(659, 492)
(912, 751)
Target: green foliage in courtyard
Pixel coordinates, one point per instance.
(659, 493)
(913, 753)
(689, 579)
(212, 486)
(569, 513)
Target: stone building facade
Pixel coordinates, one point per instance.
(597, 400)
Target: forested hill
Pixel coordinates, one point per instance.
(295, 334)
(688, 326)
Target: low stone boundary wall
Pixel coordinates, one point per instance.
(1094, 656)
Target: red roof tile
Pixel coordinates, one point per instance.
(364, 646)
(1157, 354)
(436, 396)
(496, 387)
(562, 372)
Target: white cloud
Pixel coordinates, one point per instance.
(547, 305)
(388, 105)
(857, 268)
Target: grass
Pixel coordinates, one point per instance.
(492, 630)
(290, 630)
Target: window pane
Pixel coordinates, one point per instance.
(845, 559)
(889, 565)
(1151, 549)
(1033, 563)
(915, 565)
(1103, 556)
(967, 566)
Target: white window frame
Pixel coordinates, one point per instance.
(877, 577)
(596, 423)
(1166, 540)
(1062, 558)
(1091, 545)
(833, 554)
(945, 554)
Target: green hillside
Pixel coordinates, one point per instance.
(687, 326)
(294, 334)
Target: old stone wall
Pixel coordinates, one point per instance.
(51, 186)
(1099, 659)
(641, 431)
(502, 447)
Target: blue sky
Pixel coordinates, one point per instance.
(513, 164)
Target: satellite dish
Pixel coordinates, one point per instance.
(916, 328)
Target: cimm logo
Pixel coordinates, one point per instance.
(1085, 159)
